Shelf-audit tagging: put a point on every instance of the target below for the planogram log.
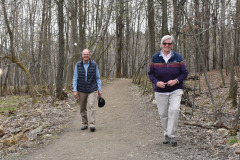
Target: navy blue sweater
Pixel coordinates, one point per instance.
(162, 71)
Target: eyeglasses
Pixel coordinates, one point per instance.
(167, 44)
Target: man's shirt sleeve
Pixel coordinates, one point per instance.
(75, 76)
(98, 79)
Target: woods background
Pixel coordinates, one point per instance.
(41, 41)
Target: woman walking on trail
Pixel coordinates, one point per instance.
(167, 72)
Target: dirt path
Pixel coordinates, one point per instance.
(128, 127)
(123, 131)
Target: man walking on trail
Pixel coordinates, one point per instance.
(86, 86)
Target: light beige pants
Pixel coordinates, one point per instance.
(87, 108)
(168, 109)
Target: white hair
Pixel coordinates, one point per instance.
(166, 38)
(87, 50)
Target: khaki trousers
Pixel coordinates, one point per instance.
(87, 108)
(168, 109)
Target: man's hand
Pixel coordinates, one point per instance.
(100, 93)
(75, 94)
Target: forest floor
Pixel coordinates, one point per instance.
(127, 127)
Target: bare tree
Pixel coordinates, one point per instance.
(72, 60)
(164, 18)
(119, 36)
(232, 90)
(202, 64)
(59, 82)
(236, 122)
(40, 47)
(12, 57)
(214, 32)
(151, 27)
(176, 20)
(222, 39)
(237, 34)
(126, 55)
(82, 24)
(206, 41)
(32, 14)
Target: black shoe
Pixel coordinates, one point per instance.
(84, 127)
(92, 129)
(173, 142)
(166, 141)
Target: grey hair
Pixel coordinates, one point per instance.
(167, 37)
(87, 50)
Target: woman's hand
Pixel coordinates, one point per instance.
(172, 82)
(161, 84)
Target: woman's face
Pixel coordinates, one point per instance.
(167, 45)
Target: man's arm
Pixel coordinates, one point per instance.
(98, 79)
(75, 76)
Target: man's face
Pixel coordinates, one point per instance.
(86, 56)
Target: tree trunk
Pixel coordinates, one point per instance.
(13, 58)
(82, 24)
(176, 19)
(232, 76)
(24, 68)
(237, 34)
(59, 82)
(164, 18)
(127, 31)
(236, 121)
(151, 27)
(119, 37)
(41, 36)
(214, 31)
(202, 60)
(45, 53)
(196, 28)
(222, 38)
(206, 18)
(32, 8)
(49, 60)
(175, 23)
(73, 45)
